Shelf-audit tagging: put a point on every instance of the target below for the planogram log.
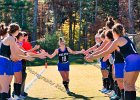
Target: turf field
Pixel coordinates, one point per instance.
(85, 83)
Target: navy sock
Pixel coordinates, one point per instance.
(66, 84)
(0, 96)
(4, 96)
(104, 82)
(130, 95)
(133, 95)
(9, 93)
(17, 89)
(122, 94)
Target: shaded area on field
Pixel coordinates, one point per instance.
(138, 98)
(78, 96)
(32, 98)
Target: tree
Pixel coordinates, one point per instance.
(35, 21)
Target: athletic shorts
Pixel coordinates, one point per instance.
(119, 70)
(63, 66)
(5, 66)
(17, 66)
(132, 63)
(103, 65)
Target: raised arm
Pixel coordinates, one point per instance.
(53, 55)
(102, 45)
(91, 49)
(112, 48)
(15, 51)
(103, 49)
(75, 52)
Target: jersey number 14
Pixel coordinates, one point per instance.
(64, 58)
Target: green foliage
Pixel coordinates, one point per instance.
(109, 7)
(50, 43)
(74, 59)
(20, 12)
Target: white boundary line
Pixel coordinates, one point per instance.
(29, 85)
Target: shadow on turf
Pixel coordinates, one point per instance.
(138, 98)
(77, 96)
(33, 98)
(72, 94)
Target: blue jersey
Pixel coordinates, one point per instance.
(5, 50)
(63, 55)
(118, 58)
(128, 48)
(20, 43)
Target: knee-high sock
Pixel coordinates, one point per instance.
(66, 84)
(130, 95)
(4, 96)
(107, 84)
(122, 94)
(134, 95)
(104, 82)
(116, 89)
(9, 92)
(24, 75)
(0, 96)
(17, 89)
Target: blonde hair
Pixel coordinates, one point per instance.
(61, 39)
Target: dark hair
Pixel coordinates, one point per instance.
(25, 34)
(110, 23)
(102, 35)
(100, 31)
(109, 34)
(119, 29)
(19, 35)
(13, 27)
(3, 29)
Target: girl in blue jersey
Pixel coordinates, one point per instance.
(17, 67)
(131, 58)
(118, 65)
(63, 63)
(10, 51)
(119, 71)
(107, 76)
(3, 33)
(100, 38)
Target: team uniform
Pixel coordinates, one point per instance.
(63, 64)
(131, 57)
(118, 64)
(132, 63)
(103, 64)
(5, 60)
(119, 73)
(17, 66)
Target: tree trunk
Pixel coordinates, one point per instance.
(74, 29)
(80, 11)
(54, 16)
(131, 17)
(35, 21)
(70, 29)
